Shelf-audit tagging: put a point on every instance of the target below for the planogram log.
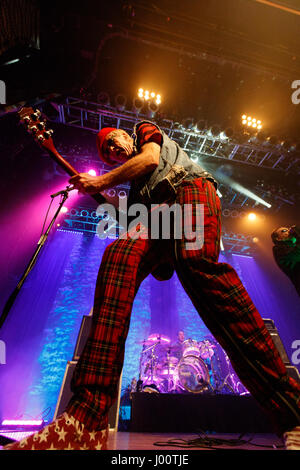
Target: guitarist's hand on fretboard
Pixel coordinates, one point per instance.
(86, 183)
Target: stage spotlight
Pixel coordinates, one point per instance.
(223, 136)
(64, 209)
(103, 98)
(251, 122)
(149, 95)
(285, 144)
(293, 147)
(272, 140)
(111, 192)
(120, 102)
(241, 137)
(137, 105)
(152, 109)
(122, 194)
(188, 123)
(200, 125)
(158, 99)
(92, 173)
(215, 131)
(255, 240)
(229, 132)
(261, 136)
(252, 216)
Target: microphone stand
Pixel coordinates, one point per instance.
(34, 257)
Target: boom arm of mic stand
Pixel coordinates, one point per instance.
(31, 263)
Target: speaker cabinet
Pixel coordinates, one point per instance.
(291, 370)
(65, 393)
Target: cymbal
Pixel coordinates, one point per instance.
(156, 339)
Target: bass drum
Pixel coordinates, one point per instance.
(193, 374)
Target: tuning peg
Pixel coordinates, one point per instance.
(35, 116)
(48, 133)
(33, 129)
(41, 138)
(41, 125)
(26, 119)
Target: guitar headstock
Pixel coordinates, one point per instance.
(35, 125)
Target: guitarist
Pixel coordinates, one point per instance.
(159, 170)
(286, 251)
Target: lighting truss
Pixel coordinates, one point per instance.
(232, 198)
(237, 243)
(82, 219)
(93, 116)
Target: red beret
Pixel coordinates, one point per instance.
(100, 141)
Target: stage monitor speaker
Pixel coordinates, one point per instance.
(65, 395)
(83, 334)
(292, 370)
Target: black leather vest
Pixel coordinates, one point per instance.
(171, 156)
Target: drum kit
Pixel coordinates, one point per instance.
(187, 367)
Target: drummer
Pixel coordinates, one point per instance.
(177, 347)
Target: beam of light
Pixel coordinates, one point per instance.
(13, 61)
(238, 187)
(280, 7)
(241, 189)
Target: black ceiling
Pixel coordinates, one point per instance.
(209, 59)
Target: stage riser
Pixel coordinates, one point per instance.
(153, 412)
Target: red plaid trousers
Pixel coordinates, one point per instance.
(217, 294)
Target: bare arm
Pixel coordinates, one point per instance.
(144, 162)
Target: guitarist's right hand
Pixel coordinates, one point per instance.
(86, 183)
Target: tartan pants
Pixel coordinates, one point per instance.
(217, 294)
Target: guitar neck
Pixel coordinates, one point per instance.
(33, 123)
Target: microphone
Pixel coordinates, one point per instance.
(64, 191)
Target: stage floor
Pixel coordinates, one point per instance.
(160, 442)
(148, 441)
